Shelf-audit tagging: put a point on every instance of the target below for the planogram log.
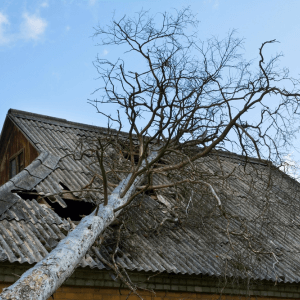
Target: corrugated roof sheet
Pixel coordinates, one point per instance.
(264, 213)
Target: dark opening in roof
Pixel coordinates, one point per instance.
(75, 209)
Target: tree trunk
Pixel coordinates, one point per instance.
(41, 281)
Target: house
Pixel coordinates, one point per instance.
(252, 248)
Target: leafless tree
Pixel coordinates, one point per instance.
(187, 93)
(183, 100)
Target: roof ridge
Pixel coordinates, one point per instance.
(30, 114)
(55, 120)
(247, 159)
(83, 126)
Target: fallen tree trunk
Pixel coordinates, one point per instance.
(41, 281)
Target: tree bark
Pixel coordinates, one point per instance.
(41, 281)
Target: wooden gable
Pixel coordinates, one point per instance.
(12, 143)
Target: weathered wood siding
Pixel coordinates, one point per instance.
(12, 141)
(95, 293)
(86, 283)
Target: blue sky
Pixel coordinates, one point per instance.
(46, 49)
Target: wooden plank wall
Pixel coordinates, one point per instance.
(12, 141)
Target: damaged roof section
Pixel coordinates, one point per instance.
(150, 242)
(27, 179)
(37, 171)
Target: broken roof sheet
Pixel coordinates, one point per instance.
(196, 245)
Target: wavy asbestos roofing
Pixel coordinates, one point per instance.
(29, 230)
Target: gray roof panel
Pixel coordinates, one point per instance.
(197, 245)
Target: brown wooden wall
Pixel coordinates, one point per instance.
(12, 141)
(93, 293)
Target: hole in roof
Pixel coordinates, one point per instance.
(27, 195)
(65, 195)
(151, 193)
(63, 186)
(75, 209)
(128, 155)
(32, 195)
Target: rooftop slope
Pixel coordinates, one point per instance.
(263, 202)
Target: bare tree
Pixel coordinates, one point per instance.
(182, 100)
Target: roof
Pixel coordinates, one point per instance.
(263, 202)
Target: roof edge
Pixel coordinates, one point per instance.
(59, 121)
(71, 124)
(246, 159)
(30, 114)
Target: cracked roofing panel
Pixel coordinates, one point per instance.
(190, 249)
